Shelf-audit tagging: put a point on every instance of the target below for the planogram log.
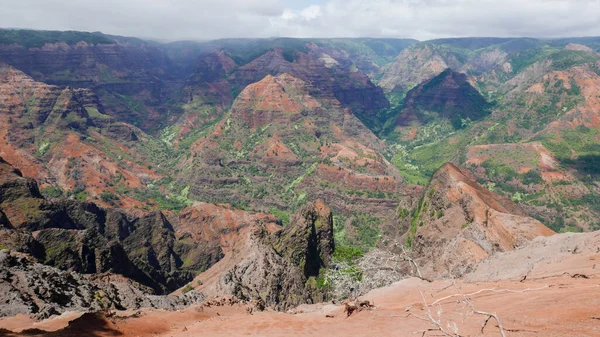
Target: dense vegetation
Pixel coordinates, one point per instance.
(36, 39)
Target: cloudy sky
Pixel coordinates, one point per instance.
(210, 19)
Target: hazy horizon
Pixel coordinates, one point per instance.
(159, 40)
(205, 20)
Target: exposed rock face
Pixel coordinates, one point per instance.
(413, 66)
(352, 89)
(189, 84)
(218, 78)
(486, 61)
(308, 241)
(276, 266)
(279, 141)
(206, 232)
(82, 237)
(264, 275)
(273, 100)
(578, 47)
(41, 103)
(459, 223)
(63, 139)
(449, 96)
(13, 186)
(27, 287)
(138, 71)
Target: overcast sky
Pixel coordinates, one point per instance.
(211, 19)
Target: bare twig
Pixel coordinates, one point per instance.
(378, 268)
(520, 330)
(479, 312)
(439, 290)
(485, 324)
(437, 322)
(411, 260)
(494, 290)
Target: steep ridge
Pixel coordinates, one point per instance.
(413, 66)
(279, 145)
(223, 73)
(275, 266)
(133, 78)
(81, 238)
(186, 84)
(63, 138)
(352, 89)
(552, 102)
(448, 96)
(473, 56)
(459, 223)
(536, 144)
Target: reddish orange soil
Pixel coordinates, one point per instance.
(587, 113)
(210, 222)
(555, 306)
(273, 98)
(559, 297)
(544, 160)
(273, 151)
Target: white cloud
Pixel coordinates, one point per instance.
(207, 19)
(311, 12)
(428, 19)
(168, 19)
(288, 15)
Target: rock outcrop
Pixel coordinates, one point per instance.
(308, 241)
(206, 232)
(28, 287)
(276, 266)
(249, 254)
(459, 223)
(85, 238)
(413, 66)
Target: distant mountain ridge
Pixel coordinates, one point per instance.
(158, 101)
